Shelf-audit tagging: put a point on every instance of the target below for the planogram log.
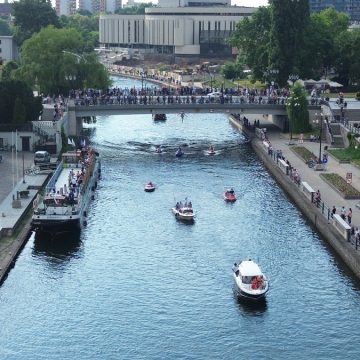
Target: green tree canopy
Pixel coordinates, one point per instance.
(5, 29)
(288, 23)
(56, 61)
(17, 103)
(297, 109)
(31, 16)
(134, 10)
(8, 69)
(348, 60)
(252, 37)
(88, 26)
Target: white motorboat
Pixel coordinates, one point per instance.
(250, 282)
(184, 212)
(149, 187)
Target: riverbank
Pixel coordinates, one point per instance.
(322, 224)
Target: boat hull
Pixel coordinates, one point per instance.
(149, 188)
(230, 199)
(183, 217)
(56, 221)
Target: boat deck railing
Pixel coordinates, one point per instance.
(51, 184)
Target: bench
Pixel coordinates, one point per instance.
(284, 166)
(342, 226)
(308, 190)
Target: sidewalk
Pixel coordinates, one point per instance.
(329, 196)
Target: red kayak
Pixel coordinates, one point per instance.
(230, 196)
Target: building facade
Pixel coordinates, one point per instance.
(187, 31)
(351, 7)
(65, 7)
(8, 49)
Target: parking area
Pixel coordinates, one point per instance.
(11, 170)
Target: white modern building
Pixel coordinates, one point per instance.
(184, 28)
(8, 49)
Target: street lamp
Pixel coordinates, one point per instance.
(319, 166)
(142, 82)
(274, 73)
(293, 78)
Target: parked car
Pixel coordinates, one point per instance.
(42, 158)
(214, 94)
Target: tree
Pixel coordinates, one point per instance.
(232, 70)
(19, 116)
(288, 22)
(31, 16)
(5, 29)
(297, 110)
(15, 98)
(8, 69)
(88, 26)
(348, 60)
(134, 10)
(52, 55)
(252, 37)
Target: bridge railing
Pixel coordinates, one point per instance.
(168, 100)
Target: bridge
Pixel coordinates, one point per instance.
(77, 109)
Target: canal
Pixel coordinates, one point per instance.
(137, 284)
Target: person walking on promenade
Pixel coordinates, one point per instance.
(342, 213)
(349, 216)
(333, 211)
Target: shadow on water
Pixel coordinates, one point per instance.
(57, 246)
(249, 307)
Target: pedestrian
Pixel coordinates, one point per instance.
(333, 211)
(349, 216)
(342, 213)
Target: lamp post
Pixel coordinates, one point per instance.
(274, 73)
(211, 82)
(70, 79)
(293, 78)
(23, 161)
(142, 82)
(320, 164)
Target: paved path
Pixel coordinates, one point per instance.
(328, 195)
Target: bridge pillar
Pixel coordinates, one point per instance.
(281, 121)
(74, 123)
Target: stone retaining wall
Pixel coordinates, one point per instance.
(343, 248)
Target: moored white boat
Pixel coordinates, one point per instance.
(184, 212)
(68, 193)
(250, 281)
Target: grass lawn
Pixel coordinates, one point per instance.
(339, 183)
(348, 154)
(304, 153)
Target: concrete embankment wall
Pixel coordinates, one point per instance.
(343, 248)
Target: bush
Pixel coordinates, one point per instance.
(304, 153)
(357, 96)
(347, 191)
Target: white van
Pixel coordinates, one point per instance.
(42, 158)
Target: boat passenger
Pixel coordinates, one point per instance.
(177, 206)
(190, 204)
(236, 269)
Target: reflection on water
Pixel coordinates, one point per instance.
(249, 307)
(63, 246)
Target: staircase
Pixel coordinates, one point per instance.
(337, 137)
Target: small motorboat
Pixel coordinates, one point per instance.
(159, 117)
(211, 151)
(184, 211)
(158, 150)
(250, 282)
(179, 152)
(149, 187)
(229, 195)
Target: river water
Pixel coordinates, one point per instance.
(138, 284)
